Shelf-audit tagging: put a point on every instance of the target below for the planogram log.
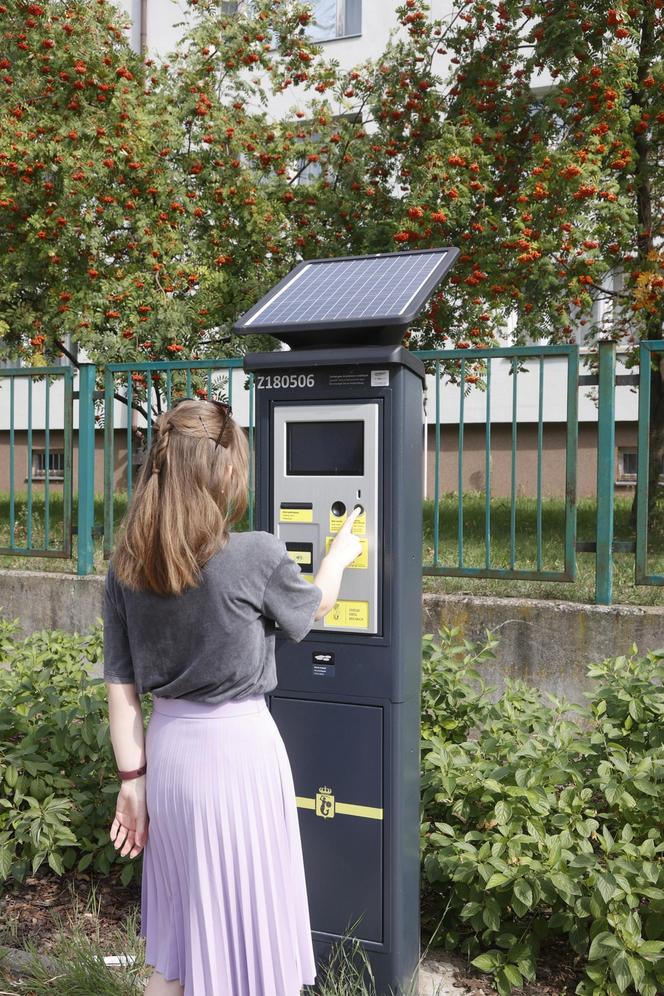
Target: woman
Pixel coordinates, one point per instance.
(207, 793)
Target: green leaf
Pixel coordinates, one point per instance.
(513, 976)
(496, 879)
(55, 861)
(489, 961)
(621, 972)
(523, 892)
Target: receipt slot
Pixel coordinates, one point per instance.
(339, 426)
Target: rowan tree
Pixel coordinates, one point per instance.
(143, 207)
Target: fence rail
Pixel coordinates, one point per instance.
(146, 389)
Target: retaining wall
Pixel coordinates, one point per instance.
(545, 642)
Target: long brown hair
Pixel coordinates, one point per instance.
(192, 485)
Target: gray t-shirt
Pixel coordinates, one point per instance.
(214, 642)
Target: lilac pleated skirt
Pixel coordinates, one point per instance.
(223, 898)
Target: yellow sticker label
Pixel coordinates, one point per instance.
(308, 577)
(360, 561)
(287, 514)
(359, 526)
(300, 556)
(352, 615)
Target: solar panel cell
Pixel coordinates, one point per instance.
(386, 290)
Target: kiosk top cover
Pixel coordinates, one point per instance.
(326, 302)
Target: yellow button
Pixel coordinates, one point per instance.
(300, 556)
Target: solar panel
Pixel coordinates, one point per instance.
(385, 290)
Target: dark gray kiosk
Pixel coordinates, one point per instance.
(339, 423)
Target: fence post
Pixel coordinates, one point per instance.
(86, 467)
(606, 439)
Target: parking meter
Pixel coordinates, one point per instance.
(339, 423)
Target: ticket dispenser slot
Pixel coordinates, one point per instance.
(325, 459)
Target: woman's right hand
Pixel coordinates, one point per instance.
(345, 546)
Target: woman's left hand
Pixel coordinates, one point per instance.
(130, 826)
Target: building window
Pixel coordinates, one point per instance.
(628, 465)
(56, 465)
(335, 19)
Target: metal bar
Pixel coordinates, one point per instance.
(436, 483)
(605, 472)
(169, 386)
(168, 365)
(513, 483)
(109, 460)
(642, 469)
(188, 382)
(67, 490)
(29, 510)
(86, 468)
(559, 349)
(229, 385)
(47, 459)
(502, 574)
(462, 395)
(130, 454)
(487, 470)
(571, 460)
(12, 500)
(540, 446)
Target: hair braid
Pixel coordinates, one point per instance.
(160, 445)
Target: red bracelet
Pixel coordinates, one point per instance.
(136, 773)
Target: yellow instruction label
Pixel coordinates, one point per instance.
(359, 526)
(300, 556)
(296, 514)
(361, 561)
(308, 577)
(353, 615)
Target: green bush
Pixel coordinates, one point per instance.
(541, 821)
(57, 771)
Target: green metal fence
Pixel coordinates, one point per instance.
(36, 518)
(440, 360)
(146, 389)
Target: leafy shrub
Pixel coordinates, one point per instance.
(58, 781)
(547, 821)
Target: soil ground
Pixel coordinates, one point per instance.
(33, 911)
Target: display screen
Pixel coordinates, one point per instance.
(325, 449)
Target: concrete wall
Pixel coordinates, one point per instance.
(544, 642)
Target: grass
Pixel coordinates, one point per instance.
(582, 589)
(78, 951)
